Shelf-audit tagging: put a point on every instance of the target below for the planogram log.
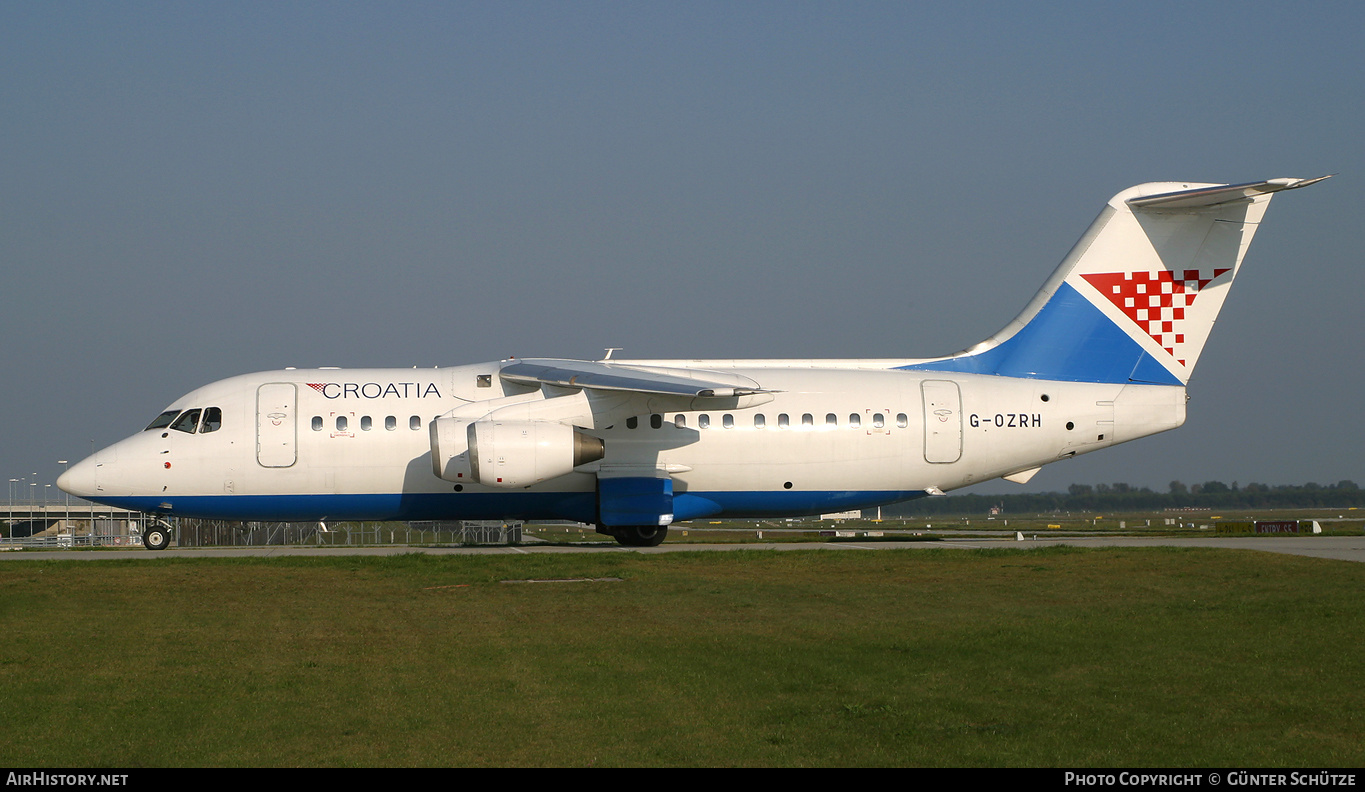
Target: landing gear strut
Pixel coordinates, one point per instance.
(640, 535)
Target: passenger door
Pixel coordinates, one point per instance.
(942, 421)
(276, 405)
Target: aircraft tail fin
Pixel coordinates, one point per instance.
(1136, 298)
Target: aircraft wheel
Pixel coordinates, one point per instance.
(642, 535)
(156, 537)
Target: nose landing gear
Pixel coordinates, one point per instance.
(156, 536)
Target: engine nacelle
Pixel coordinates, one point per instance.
(514, 454)
(450, 449)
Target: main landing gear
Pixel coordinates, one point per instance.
(638, 535)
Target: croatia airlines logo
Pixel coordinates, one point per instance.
(1156, 301)
(375, 390)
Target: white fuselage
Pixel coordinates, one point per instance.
(833, 435)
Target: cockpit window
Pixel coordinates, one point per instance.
(163, 420)
(213, 420)
(187, 421)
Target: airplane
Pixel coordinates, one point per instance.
(1100, 356)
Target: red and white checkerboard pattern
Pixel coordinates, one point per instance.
(1155, 301)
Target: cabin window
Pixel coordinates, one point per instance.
(855, 420)
(760, 421)
(317, 423)
(901, 420)
(831, 419)
(163, 420)
(783, 421)
(656, 421)
(187, 421)
(807, 420)
(365, 423)
(414, 423)
(728, 421)
(342, 423)
(213, 420)
(391, 423)
(680, 421)
(632, 422)
(878, 420)
(704, 421)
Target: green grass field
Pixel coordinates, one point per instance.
(1333, 522)
(1044, 657)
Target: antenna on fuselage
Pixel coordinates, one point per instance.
(611, 350)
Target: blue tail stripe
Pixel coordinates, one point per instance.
(1069, 340)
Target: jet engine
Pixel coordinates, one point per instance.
(450, 449)
(514, 454)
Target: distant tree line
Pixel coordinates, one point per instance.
(1120, 497)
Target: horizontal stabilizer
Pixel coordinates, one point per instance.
(1221, 194)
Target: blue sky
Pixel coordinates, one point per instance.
(194, 190)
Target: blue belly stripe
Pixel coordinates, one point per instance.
(578, 506)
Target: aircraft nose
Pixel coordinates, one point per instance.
(80, 479)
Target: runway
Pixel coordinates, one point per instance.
(1340, 548)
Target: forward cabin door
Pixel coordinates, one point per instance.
(942, 421)
(276, 408)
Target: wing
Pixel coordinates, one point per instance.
(599, 394)
(651, 380)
